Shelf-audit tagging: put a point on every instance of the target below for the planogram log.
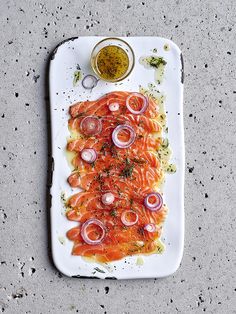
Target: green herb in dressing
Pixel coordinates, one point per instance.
(166, 47)
(64, 203)
(155, 94)
(77, 77)
(159, 74)
(156, 63)
(165, 143)
(160, 247)
(164, 152)
(63, 197)
(171, 168)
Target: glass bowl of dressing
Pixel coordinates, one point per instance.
(112, 59)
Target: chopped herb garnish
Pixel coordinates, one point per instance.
(78, 172)
(113, 213)
(134, 250)
(128, 169)
(99, 178)
(127, 160)
(141, 231)
(113, 151)
(104, 146)
(107, 171)
(118, 190)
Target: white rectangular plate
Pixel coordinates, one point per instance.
(64, 61)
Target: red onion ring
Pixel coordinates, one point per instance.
(84, 235)
(153, 206)
(90, 126)
(119, 143)
(108, 198)
(89, 155)
(145, 103)
(125, 221)
(114, 106)
(150, 227)
(89, 81)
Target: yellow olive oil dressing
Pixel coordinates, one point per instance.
(112, 62)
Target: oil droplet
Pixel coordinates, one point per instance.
(62, 240)
(166, 47)
(139, 261)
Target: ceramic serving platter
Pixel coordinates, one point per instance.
(75, 53)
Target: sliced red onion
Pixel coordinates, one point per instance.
(108, 198)
(150, 227)
(114, 106)
(127, 222)
(117, 130)
(89, 81)
(84, 235)
(157, 205)
(138, 95)
(89, 155)
(90, 126)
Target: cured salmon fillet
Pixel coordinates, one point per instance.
(83, 204)
(119, 241)
(100, 107)
(106, 159)
(143, 142)
(141, 177)
(141, 124)
(126, 224)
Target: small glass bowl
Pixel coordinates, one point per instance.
(112, 42)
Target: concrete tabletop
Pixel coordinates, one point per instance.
(205, 32)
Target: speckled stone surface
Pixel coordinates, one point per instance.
(205, 32)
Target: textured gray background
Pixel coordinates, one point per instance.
(205, 32)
